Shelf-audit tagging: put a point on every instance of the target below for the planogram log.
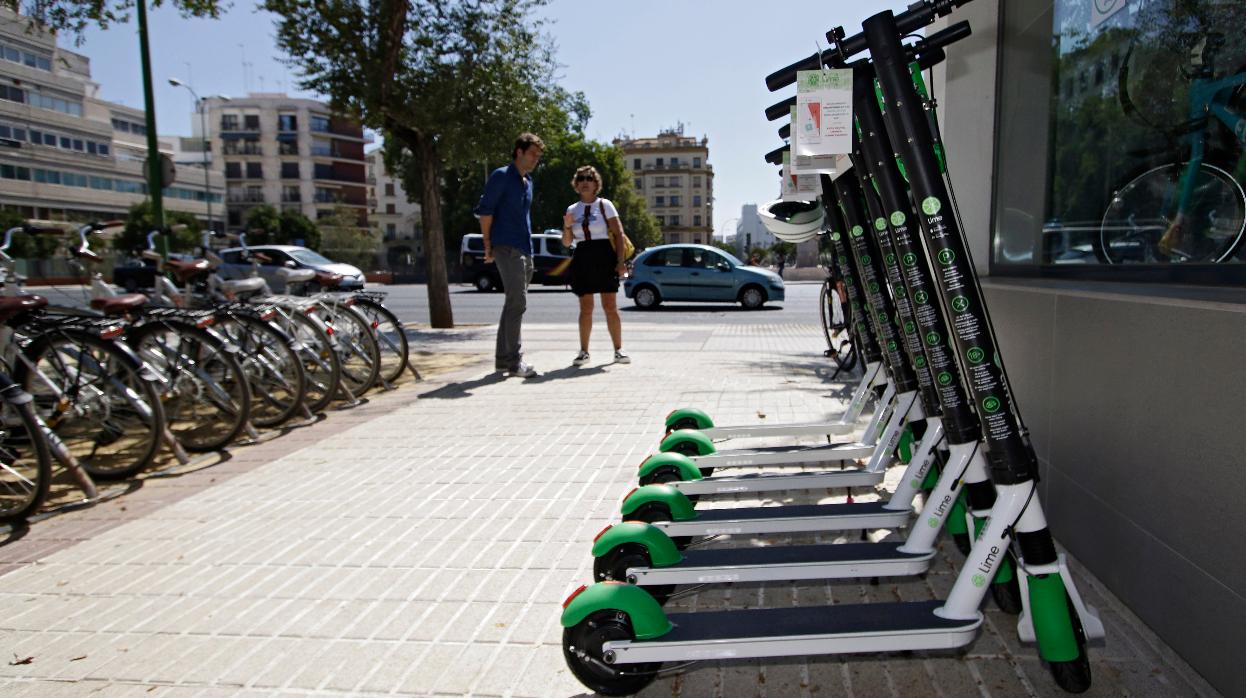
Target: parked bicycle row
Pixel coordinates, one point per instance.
(101, 388)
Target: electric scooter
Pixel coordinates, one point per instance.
(616, 636)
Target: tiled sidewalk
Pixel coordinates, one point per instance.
(422, 544)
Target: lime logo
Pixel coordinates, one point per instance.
(856, 307)
(975, 355)
(909, 327)
(857, 231)
(960, 304)
(979, 580)
(909, 259)
(946, 257)
(848, 280)
(920, 362)
(835, 237)
(932, 522)
(866, 259)
(932, 338)
(873, 287)
(880, 224)
(891, 260)
(891, 346)
(990, 405)
(897, 218)
(945, 378)
(931, 205)
(915, 483)
(882, 317)
(921, 297)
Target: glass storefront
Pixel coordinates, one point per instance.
(1122, 127)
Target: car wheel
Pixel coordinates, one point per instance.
(484, 283)
(752, 297)
(646, 297)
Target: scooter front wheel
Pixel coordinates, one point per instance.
(582, 650)
(1074, 675)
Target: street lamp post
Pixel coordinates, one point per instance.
(203, 128)
(725, 225)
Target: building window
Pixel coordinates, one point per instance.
(661, 220)
(674, 161)
(696, 199)
(229, 122)
(289, 170)
(255, 170)
(291, 193)
(233, 170)
(12, 94)
(696, 219)
(321, 148)
(287, 148)
(287, 122)
(696, 182)
(640, 182)
(659, 182)
(660, 162)
(389, 189)
(390, 209)
(696, 162)
(675, 221)
(659, 201)
(675, 182)
(319, 124)
(251, 122)
(675, 200)
(636, 163)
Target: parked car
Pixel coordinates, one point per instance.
(699, 273)
(549, 257)
(235, 266)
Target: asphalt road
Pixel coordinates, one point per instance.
(550, 305)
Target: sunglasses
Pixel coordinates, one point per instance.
(585, 178)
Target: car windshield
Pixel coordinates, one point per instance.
(731, 258)
(306, 256)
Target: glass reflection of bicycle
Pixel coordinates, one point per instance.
(1190, 210)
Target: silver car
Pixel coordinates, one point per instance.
(236, 266)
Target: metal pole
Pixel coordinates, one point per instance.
(203, 126)
(155, 184)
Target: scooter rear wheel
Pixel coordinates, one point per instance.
(582, 650)
(613, 566)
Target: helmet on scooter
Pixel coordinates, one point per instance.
(793, 221)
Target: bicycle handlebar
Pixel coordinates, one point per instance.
(918, 15)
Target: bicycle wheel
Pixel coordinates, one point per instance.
(1142, 225)
(355, 345)
(92, 394)
(391, 337)
(206, 400)
(824, 313)
(321, 366)
(25, 461)
(274, 372)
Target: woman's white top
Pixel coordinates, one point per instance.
(596, 226)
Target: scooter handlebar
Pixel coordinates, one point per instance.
(775, 157)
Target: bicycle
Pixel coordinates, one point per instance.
(25, 461)
(1187, 211)
(833, 312)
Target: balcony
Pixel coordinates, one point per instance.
(246, 126)
(291, 198)
(244, 198)
(231, 149)
(678, 167)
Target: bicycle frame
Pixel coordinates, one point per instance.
(1209, 98)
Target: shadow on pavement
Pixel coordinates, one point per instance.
(566, 372)
(454, 391)
(700, 308)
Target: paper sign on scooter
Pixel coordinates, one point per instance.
(814, 164)
(823, 122)
(797, 187)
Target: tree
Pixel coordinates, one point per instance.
(75, 15)
(139, 222)
(449, 83)
(297, 229)
(343, 240)
(23, 245)
(726, 246)
(263, 226)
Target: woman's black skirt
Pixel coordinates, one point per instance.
(592, 268)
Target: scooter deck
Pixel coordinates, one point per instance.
(759, 431)
(770, 482)
(788, 519)
(788, 562)
(812, 630)
(785, 455)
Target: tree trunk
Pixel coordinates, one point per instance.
(441, 315)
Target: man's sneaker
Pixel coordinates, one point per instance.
(522, 370)
(621, 357)
(580, 359)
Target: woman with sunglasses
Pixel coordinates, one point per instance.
(596, 265)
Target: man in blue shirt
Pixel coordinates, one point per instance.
(505, 218)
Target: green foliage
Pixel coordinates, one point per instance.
(782, 250)
(343, 240)
(761, 253)
(24, 246)
(726, 246)
(295, 226)
(263, 226)
(75, 16)
(139, 222)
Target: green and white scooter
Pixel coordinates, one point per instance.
(616, 636)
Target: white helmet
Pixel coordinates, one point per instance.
(793, 221)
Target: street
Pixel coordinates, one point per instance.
(553, 304)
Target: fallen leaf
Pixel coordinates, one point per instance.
(761, 414)
(17, 661)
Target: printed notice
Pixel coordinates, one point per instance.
(822, 124)
(798, 187)
(833, 165)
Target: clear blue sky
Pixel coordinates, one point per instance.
(644, 65)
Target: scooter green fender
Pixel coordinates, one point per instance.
(688, 441)
(698, 418)
(1053, 626)
(904, 449)
(646, 615)
(661, 549)
(687, 469)
(676, 502)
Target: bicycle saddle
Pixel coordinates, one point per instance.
(295, 275)
(12, 306)
(247, 285)
(185, 271)
(119, 305)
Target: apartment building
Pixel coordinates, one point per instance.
(395, 219)
(286, 152)
(65, 153)
(673, 173)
